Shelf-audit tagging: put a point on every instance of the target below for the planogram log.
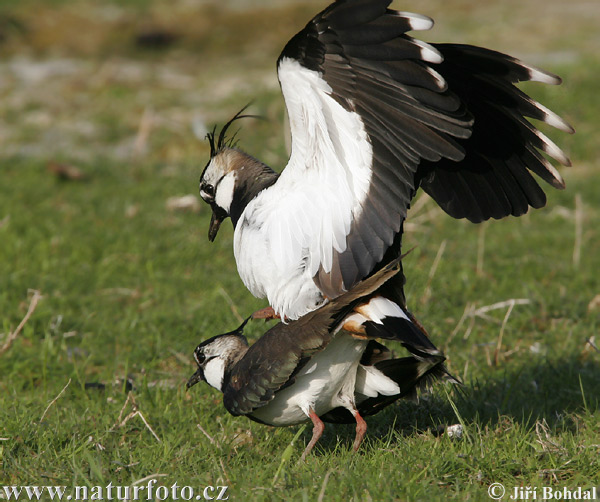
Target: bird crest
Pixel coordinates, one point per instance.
(222, 141)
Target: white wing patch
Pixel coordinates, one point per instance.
(379, 308)
(291, 229)
(328, 174)
(375, 311)
(417, 22)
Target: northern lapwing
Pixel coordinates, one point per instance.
(325, 366)
(376, 114)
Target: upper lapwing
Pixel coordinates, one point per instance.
(375, 114)
(327, 365)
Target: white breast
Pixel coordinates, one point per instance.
(286, 281)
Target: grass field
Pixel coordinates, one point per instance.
(101, 127)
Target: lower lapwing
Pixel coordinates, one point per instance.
(326, 366)
(375, 115)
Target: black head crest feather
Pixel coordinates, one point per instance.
(223, 141)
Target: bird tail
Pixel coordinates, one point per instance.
(425, 362)
(371, 313)
(382, 378)
(410, 374)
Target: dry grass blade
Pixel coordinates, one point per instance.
(465, 371)
(466, 313)
(12, 336)
(232, 306)
(501, 334)
(432, 271)
(54, 400)
(542, 432)
(135, 413)
(578, 231)
(225, 472)
(413, 227)
(131, 399)
(212, 441)
(148, 478)
(427, 217)
(471, 312)
(589, 347)
(145, 128)
(480, 250)
(500, 305)
(324, 486)
(420, 203)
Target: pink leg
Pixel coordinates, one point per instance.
(318, 429)
(361, 429)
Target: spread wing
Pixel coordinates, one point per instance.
(494, 179)
(374, 114)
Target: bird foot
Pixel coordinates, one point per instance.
(267, 314)
(356, 329)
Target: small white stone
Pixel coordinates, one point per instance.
(454, 431)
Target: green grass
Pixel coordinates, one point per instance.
(129, 288)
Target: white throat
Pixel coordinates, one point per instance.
(224, 195)
(214, 371)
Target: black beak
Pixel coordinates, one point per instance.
(195, 378)
(218, 215)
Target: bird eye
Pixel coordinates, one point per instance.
(199, 357)
(207, 192)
